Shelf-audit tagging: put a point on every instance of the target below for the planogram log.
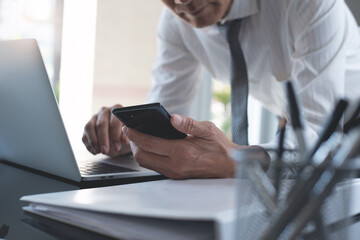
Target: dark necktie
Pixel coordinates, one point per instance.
(239, 82)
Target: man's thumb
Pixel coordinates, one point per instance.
(190, 126)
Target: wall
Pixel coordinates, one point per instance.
(125, 51)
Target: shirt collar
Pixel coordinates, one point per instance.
(241, 9)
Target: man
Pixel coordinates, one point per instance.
(315, 43)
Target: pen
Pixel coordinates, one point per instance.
(295, 117)
(327, 181)
(354, 119)
(280, 150)
(330, 126)
(299, 195)
(303, 189)
(262, 186)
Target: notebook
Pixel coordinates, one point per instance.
(32, 133)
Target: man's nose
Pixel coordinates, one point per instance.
(183, 2)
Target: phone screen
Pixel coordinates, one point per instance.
(150, 119)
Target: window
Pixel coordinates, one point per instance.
(107, 54)
(39, 19)
(107, 50)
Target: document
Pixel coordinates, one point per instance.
(166, 209)
(169, 209)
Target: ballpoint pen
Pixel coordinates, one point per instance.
(295, 116)
(329, 128)
(278, 161)
(329, 158)
(354, 119)
(299, 194)
(262, 186)
(326, 182)
(258, 178)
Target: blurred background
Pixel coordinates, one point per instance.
(100, 52)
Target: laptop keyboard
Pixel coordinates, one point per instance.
(94, 168)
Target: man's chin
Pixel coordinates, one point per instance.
(198, 22)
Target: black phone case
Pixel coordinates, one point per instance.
(150, 119)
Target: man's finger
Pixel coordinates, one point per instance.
(152, 161)
(190, 126)
(149, 143)
(102, 130)
(125, 139)
(115, 132)
(87, 145)
(91, 136)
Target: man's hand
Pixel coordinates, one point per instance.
(102, 134)
(203, 154)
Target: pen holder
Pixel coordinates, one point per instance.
(256, 197)
(252, 197)
(258, 207)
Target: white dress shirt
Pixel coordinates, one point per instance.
(315, 43)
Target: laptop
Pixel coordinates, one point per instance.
(32, 133)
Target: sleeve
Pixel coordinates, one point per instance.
(317, 32)
(317, 35)
(176, 73)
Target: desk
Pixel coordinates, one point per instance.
(15, 183)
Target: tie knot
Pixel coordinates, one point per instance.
(230, 30)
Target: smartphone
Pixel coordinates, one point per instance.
(150, 119)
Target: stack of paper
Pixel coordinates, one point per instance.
(190, 209)
(168, 209)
